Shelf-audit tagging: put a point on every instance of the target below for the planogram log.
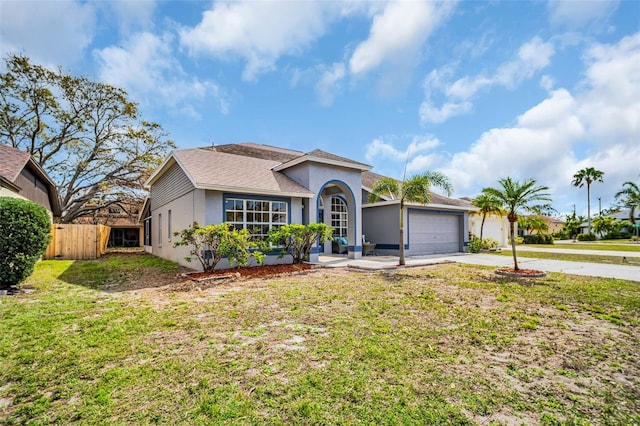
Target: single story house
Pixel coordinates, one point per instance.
(22, 177)
(258, 187)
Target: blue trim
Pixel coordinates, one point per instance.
(390, 246)
(226, 196)
(354, 208)
(354, 248)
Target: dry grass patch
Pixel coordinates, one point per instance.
(448, 344)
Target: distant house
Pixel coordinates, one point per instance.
(260, 187)
(123, 219)
(495, 227)
(22, 177)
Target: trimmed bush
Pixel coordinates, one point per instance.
(586, 237)
(297, 240)
(538, 239)
(25, 230)
(475, 244)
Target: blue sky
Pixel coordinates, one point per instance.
(478, 90)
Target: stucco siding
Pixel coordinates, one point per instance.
(381, 226)
(184, 211)
(173, 184)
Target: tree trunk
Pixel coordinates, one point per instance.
(401, 262)
(512, 219)
(484, 216)
(588, 209)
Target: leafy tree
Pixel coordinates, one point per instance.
(517, 197)
(417, 189)
(587, 175)
(605, 225)
(487, 204)
(25, 230)
(533, 224)
(297, 239)
(629, 197)
(572, 225)
(209, 244)
(86, 135)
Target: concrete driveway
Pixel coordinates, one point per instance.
(526, 260)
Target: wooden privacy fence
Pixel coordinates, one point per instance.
(77, 242)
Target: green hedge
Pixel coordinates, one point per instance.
(25, 230)
(586, 237)
(538, 239)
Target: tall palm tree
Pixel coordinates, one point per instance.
(629, 197)
(416, 189)
(517, 197)
(587, 175)
(487, 204)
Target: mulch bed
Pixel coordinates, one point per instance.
(263, 271)
(520, 273)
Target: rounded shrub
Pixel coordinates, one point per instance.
(25, 230)
(586, 237)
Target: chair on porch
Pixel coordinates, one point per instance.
(339, 245)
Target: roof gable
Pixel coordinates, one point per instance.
(210, 168)
(13, 161)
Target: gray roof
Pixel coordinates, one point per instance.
(213, 169)
(370, 178)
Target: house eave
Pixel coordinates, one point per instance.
(424, 206)
(253, 191)
(313, 159)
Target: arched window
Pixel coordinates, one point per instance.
(339, 216)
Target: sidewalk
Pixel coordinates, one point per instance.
(624, 272)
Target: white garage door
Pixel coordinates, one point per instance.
(433, 233)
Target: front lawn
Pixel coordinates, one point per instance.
(446, 344)
(572, 257)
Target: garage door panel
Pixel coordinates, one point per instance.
(434, 233)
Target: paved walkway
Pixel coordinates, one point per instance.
(621, 271)
(577, 251)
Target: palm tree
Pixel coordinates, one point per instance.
(487, 204)
(516, 197)
(587, 175)
(629, 197)
(417, 189)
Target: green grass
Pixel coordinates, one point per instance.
(449, 344)
(573, 257)
(591, 246)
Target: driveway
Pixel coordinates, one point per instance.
(525, 261)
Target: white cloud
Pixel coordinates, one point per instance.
(398, 33)
(259, 32)
(610, 101)
(131, 16)
(573, 13)
(532, 56)
(418, 154)
(146, 67)
(329, 83)
(598, 126)
(50, 33)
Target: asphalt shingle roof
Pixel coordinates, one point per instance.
(210, 167)
(12, 161)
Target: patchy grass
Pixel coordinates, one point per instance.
(573, 257)
(447, 344)
(588, 246)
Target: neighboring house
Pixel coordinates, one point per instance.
(553, 225)
(22, 177)
(495, 227)
(123, 219)
(261, 187)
